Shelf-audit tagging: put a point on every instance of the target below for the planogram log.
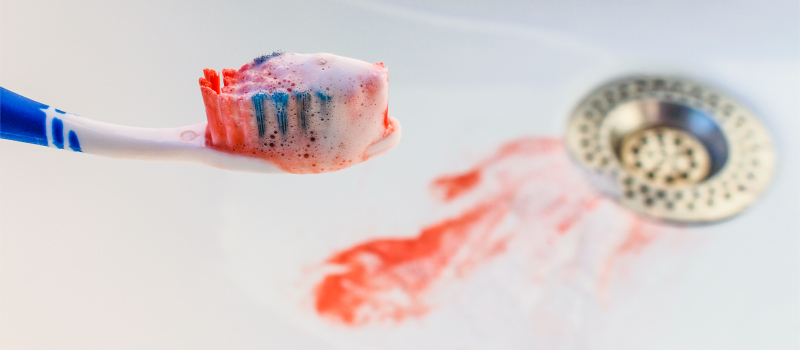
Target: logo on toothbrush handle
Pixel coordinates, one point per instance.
(57, 127)
(57, 131)
(74, 144)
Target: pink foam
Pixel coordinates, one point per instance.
(335, 108)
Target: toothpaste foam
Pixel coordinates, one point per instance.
(305, 113)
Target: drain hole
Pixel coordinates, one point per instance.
(653, 155)
(670, 135)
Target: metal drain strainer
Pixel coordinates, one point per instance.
(674, 149)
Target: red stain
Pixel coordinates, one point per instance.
(530, 183)
(385, 278)
(587, 205)
(482, 251)
(637, 237)
(453, 186)
(456, 185)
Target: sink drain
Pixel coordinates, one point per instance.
(674, 149)
(665, 156)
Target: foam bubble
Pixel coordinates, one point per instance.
(301, 112)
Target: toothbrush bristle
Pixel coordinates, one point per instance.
(213, 78)
(216, 128)
(263, 58)
(303, 113)
(228, 76)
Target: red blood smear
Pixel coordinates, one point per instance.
(640, 234)
(388, 279)
(637, 238)
(385, 278)
(588, 205)
(455, 185)
(386, 123)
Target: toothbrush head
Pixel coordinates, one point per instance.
(302, 113)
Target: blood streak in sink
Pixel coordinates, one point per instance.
(527, 200)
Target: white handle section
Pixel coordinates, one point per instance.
(183, 144)
(80, 134)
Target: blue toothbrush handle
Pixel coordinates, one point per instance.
(25, 120)
(22, 119)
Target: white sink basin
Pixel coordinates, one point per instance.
(104, 253)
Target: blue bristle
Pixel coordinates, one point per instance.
(263, 58)
(323, 97)
(324, 101)
(281, 100)
(303, 107)
(258, 103)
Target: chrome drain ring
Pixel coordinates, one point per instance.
(672, 148)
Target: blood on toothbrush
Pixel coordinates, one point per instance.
(304, 113)
(527, 201)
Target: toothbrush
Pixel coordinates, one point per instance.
(280, 113)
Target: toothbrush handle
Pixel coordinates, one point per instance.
(25, 120)
(22, 119)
